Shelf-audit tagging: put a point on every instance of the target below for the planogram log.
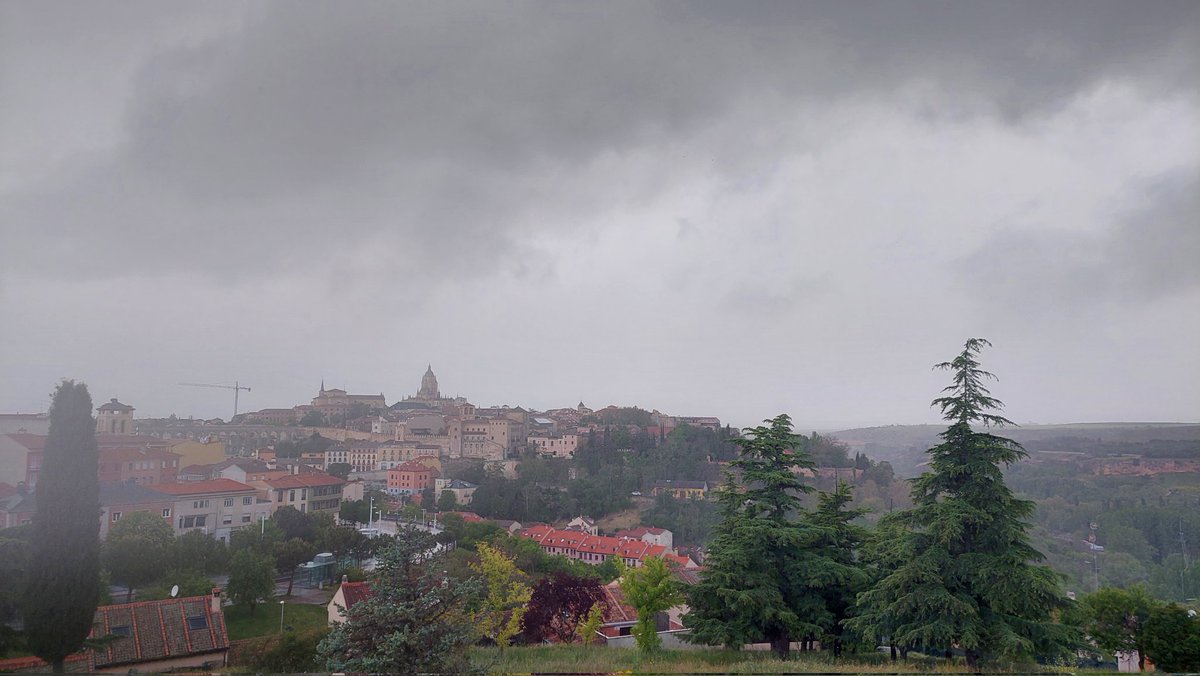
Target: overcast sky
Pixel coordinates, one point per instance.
(731, 209)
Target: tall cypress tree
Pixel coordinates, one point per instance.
(967, 579)
(64, 576)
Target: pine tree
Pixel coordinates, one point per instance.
(415, 621)
(761, 562)
(838, 577)
(64, 575)
(968, 581)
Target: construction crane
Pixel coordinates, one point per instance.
(236, 387)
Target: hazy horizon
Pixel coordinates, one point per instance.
(707, 208)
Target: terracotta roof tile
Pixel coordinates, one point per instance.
(200, 487)
(305, 480)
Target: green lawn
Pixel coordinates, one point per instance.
(566, 659)
(265, 620)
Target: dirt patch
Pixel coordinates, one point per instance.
(620, 520)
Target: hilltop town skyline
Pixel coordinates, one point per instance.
(748, 210)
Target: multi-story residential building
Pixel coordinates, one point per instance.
(120, 499)
(655, 536)
(364, 455)
(206, 452)
(682, 490)
(21, 458)
(560, 447)
(138, 464)
(216, 506)
(595, 549)
(246, 470)
(410, 477)
(308, 492)
(26, 423)
(464, 491)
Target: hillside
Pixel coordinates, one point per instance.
(904, 446)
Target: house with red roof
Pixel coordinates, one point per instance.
(655, 536)
(619, 618)
(347, 594)
(148, 636)
(595, 549)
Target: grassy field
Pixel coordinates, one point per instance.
(564, 659)
(265, 620)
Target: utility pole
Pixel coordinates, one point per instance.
(236, 387)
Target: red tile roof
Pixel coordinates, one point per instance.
(306, 480)
(616, 610)
(159, 630)
(78, 663)
(537, 533)
(200, 487)
(355, 592)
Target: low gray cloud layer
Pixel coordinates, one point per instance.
(641, 202)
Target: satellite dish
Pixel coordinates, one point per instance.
(174, 591)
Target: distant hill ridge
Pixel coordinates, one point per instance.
(904, 446)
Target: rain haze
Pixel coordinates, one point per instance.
(726, 209)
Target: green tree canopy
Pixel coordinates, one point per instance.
(138, 548)
(1115, 619)
(290, 554)
(251, 578)
(199, 551)
(650, 590)
(1172, 639)
(64, 576)
(969, 580)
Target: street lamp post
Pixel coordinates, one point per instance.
(281, 617)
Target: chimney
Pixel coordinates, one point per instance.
(215, 604)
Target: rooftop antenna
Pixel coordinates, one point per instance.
(236, 387)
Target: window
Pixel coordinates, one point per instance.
(122, 630)
(200, 504)
(292, 495)
(245, 518)
(197, 622)
(167, 513)
(116, 516)
(228, 502)
(197, 521)
(228, 519)
(247, 500)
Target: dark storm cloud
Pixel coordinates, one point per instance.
(416, 129)
(1148, 252)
